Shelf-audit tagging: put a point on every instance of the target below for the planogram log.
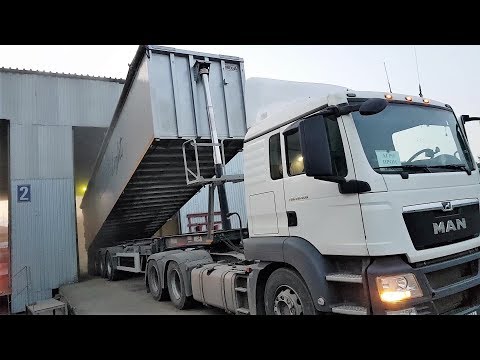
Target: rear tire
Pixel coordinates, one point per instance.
(154, 283)
(103, 273)
(96, 265)
(287, 294)
(176, 287)
(110, 272)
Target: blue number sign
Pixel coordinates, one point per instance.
(23, 193)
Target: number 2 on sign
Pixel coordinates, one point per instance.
(23, 193)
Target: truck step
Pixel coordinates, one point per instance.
(241, 289)
(349, 310)
(348, 278)
(243, 311)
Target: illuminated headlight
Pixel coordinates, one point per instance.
(396, 288)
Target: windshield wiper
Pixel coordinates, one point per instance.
(404, 169)
(453, 166)
(407, 167)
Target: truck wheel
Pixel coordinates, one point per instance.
(176, 287)
(287, 294)
(111, 272)
(154, 284)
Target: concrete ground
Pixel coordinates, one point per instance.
(97, 296)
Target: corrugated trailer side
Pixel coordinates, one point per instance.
(138, 181)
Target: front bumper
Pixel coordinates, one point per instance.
(451, 285)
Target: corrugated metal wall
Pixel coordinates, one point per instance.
(42, 110)
(41, 152)
(235, 195)
(50, 100)
(43, 238)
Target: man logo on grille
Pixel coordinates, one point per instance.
(451, 225)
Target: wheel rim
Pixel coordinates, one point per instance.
(101, 267)
(109, 267)
(287, 302)
(153, 280)
(175, 284)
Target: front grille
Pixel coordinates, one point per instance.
(459, 301)
(449, 303)
(459, 272)
(433, 228)
(452, 275)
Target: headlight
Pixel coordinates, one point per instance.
(396, 288)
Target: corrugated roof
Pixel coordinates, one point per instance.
(62, 75)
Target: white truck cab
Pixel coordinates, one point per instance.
(382, 187)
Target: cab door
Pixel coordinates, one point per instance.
(265, 197)
(316, 210)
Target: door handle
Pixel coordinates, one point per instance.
(292, 218)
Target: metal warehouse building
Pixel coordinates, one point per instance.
(42, 114)
(51, 128)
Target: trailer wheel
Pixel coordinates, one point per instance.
(154, 284)
(111, 272)
(287, 294)
(103, 273)
(176, 287)
(96, 265)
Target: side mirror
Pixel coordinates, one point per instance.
(315, 148)
(467, 118)
(317, 160)
(373, 106)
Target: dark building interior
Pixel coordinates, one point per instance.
(5, 288)
(86, 145)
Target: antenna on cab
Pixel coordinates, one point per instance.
(388, 80)
(418, 73)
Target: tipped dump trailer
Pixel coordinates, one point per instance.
(139, 180)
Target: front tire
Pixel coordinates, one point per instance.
(287, 294)
(154, 283)
(176, 287)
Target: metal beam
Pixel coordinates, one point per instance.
(150, 206)
(151, 196)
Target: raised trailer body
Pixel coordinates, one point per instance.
(139, 180)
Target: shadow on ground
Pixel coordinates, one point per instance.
(97, 296)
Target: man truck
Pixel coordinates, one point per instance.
(358, 202)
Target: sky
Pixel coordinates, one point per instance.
(448, 73)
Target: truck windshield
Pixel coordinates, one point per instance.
(413, 138)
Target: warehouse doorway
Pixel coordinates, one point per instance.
(5, 267)
(87, 142)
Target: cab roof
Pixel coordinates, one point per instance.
(294, 110)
